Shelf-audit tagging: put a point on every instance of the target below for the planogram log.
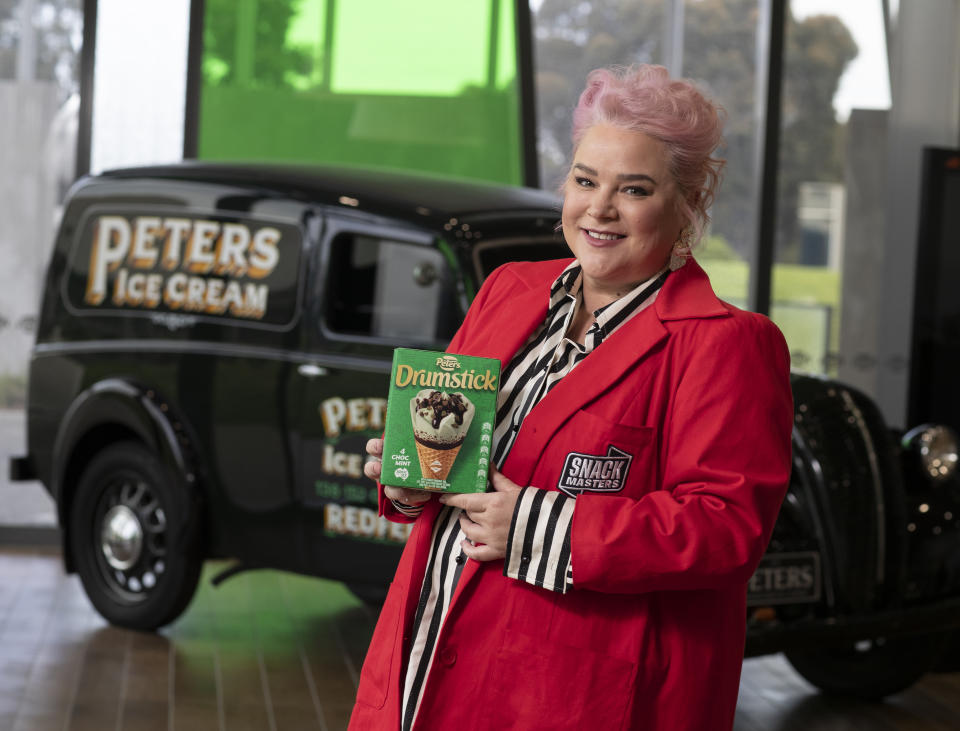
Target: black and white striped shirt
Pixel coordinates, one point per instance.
(538, 548)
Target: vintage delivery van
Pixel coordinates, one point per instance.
(213, 352)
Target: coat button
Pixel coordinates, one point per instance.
(448, 656)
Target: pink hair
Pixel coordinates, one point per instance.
(645, 99)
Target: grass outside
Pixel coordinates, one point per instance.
(13, 390)
(806, 304)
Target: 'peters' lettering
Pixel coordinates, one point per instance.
(355, 414)
(145, 261)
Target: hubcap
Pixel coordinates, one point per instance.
(121, 539)
(132, 548)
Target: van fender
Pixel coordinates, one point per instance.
(109, 410)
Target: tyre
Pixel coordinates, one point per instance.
(869, 669)
(949, 661)
(134, 538)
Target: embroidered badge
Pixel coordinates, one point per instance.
(595, 473)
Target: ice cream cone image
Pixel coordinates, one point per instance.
(436, 463)
(440, 424)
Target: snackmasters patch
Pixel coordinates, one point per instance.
(595, 473)
(440, 415)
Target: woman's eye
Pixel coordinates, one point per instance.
(636, 190)
(583, 182)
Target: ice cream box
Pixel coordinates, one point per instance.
(441, 409)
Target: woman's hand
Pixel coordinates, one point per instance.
(372, 468)
(486, 517)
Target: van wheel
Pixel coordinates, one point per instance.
(870, 669)
(133, 534)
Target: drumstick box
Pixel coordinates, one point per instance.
(441, 409)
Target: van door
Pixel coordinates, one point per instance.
(374, 288)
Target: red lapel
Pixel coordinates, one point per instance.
(522, 306)
(686, 294)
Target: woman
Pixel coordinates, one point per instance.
(602, 583)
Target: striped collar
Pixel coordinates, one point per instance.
(611, 316)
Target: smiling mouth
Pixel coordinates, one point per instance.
(601, 236)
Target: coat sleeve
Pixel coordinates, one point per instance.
(386, 508)
(725, 466)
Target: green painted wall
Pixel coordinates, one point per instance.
(426, 86)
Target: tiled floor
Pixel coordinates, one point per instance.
(265, 650)
(271, 651)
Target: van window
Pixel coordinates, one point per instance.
(389, 289)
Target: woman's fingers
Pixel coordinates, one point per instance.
(470, 529)
(479, 553)
(483, 543)
(372, 468)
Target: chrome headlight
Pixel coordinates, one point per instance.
(937, 448)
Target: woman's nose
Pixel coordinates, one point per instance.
(601, 206)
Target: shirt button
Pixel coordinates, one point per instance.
(448, 656)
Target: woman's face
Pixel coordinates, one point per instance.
(620, 216)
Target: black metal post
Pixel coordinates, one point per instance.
(527, 94)
(191, 106)
(329, 37)
(88, 53)
(768, 159)
(493, 44)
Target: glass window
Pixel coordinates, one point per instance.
(139, 84)
(316, 81)
(830, 187)
(389, 289)
(39, 99)
(711, 41)
(720, 50)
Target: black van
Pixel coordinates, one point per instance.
(213, 351)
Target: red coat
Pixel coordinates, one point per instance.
(652, 635)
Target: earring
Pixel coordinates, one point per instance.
(681, 249)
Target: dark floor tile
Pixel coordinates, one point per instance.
(148, 671)
(88, 715)
(101, 679)
(246, 717)
(195, 678)
(297, 718)
(145, 716)
(195, 716)
(286, 679)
